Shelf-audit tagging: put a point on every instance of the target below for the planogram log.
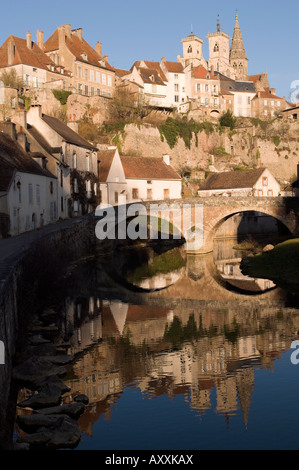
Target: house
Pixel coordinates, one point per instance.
(27, 191)
(91, 72)
(291, 112)
(204, 90)
(243, 92)
(150, 77)
(76, 153)
(31, 64)
(267, 105)
(176, 83)
(133, 179)
(257, 183)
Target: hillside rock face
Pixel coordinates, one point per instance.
(276, 147)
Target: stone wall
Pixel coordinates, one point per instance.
(75, 242)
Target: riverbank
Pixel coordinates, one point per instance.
(281, 265)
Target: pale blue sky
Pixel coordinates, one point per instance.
(136, 29)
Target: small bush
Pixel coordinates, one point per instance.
(227, 119)
(61, 95)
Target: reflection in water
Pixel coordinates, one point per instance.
(227, 261)
(194, 340)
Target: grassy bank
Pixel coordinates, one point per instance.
(281, 265)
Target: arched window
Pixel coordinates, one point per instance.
(189, 49)
(216, 47)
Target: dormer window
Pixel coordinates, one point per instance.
(84, 56)
(208, 77)
(52, 68)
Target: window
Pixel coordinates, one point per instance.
(61, 204)
(87, 163)
(86, 74)
(198, 87)
(92, 91)
(80, 88)
(91, 75)
(51, 187)
(189, 49)
(135, 193)
(260, 193)
(176, 98)
(116, 197)
(75, 185)
(103, 79)
(265, 181)
(216, 47)
(248, 100)
(98, 91)
(149, 194)
(265, 103)
(38, 194)
(109, 80)
(86, 90)
(270, 193)
(207, 89)
(79, 72)
(30, 193)
(98, 77)
(74, 160)
(166, 193)
(61, 178)
(176, 87)
(207, 102)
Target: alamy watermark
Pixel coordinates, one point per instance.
(154, 221)
(295, 354)
(2, 353)
(294, 95)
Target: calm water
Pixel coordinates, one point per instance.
(184, 354)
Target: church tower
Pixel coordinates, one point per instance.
(192, 52)
(238, 59)
(219, 51)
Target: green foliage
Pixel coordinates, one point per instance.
(220, 151)
(176, 333)
(173, 129)
(61, 95)
(227, 119)
(27, 102)
(276, 140)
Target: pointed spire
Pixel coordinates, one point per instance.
(237, 50)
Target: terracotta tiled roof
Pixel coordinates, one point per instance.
(155, 66)
(23, 55)
(233, 179)
(67, 133)
(202, 72)
(106, 158)
(77, 47)
(268, 95)
(151, 76)
(13, 158)
(148, 168)
(121, 72)
(174, 67)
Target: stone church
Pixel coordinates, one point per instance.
(229, 60)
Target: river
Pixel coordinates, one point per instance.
(181, 352)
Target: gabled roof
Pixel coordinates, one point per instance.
(14, 158)
(148, 168)
(78, 48)
(268, 95)
(173, 67)
(202, 72)
(232, 179)
(23, 55)
(121, 73)
(67, 133)
(235, 86)
(150, 76)
(106, 158)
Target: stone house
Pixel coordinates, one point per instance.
(151, 78)
(32, 65)
(91, 72)
(27, 191)
(79, 156)
(291, 112)
(134, 179)
(204, 89)
(267, 105)
(256, 183)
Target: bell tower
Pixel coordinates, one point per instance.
(219, 50)
(238, 59)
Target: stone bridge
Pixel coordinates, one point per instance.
(198, 219)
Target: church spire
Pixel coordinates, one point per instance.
(237, 57)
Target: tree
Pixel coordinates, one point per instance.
(127, 105)
(12, 80)
(227, 119)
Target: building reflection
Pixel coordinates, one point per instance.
(170, 351)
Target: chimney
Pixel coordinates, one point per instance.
(29, 40)
(22, 139)
(67, 28)
(61, 36)
(212, 69)
(99, 48)
(10, 52)
(166, 159)
(73, 125)
(40, 39)
(79, 33)
(34, 114)
(273, 91)
(105, 59)
(9, 128)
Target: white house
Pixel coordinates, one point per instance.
(134, 179)
(150, 76)
(27, 191)
(243, 91)
(257, 183)
(176, 83)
